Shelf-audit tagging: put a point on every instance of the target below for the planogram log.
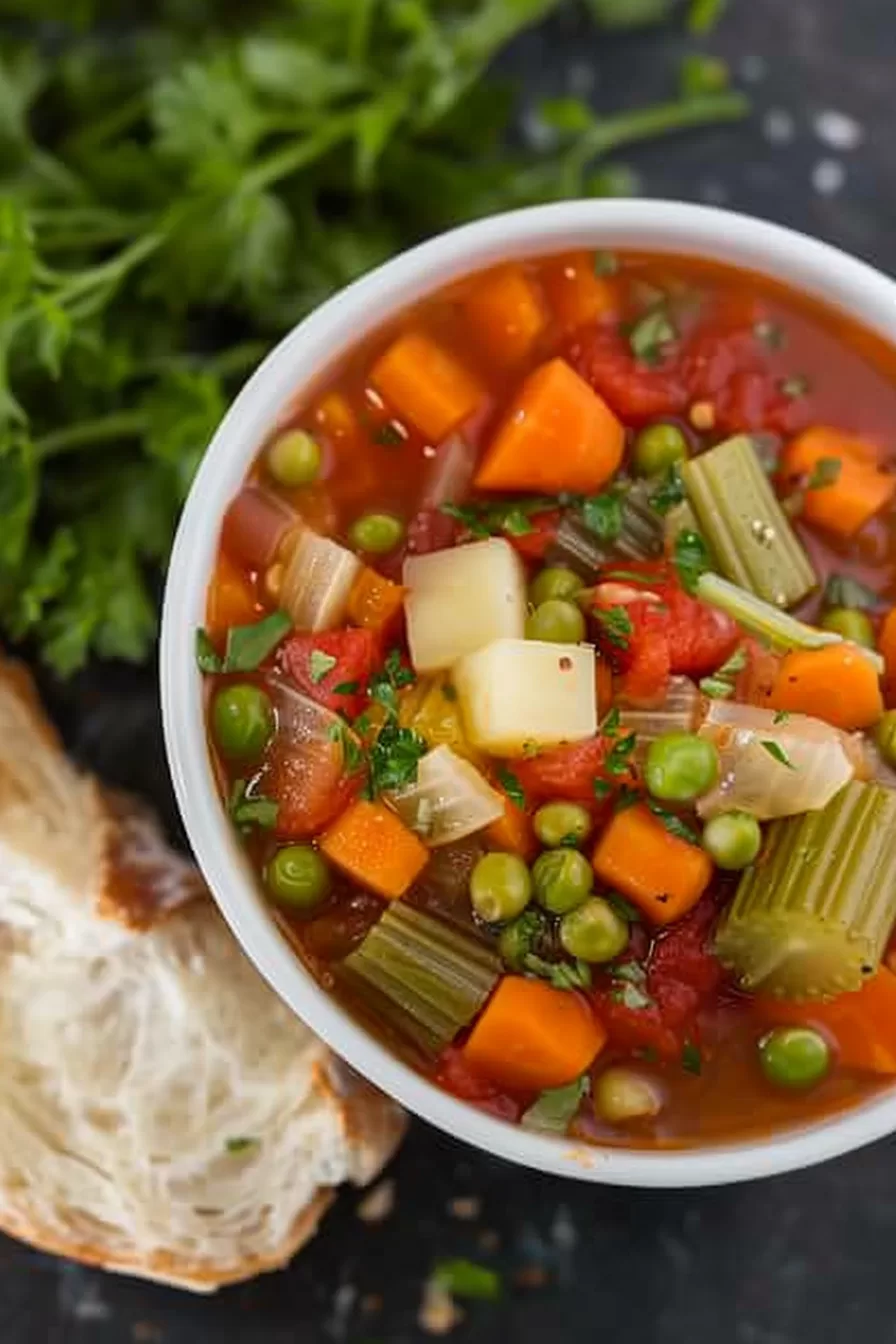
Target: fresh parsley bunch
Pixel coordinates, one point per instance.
(178, 186)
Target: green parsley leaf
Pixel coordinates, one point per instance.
(554, 1110)
(618, 760)
(601, 789)
(347, 688)
(511, 786)
(320, 665)
(691, 559)
(781, 716)
(669, 493)
(720, 686)
(602, 515)
(249, 645)
(240, 1145)
(673, 823)
(626, 798)
(251, 809)
(353, 755)
(207, 657)
(560, 974)
(624, 909)
(615, 625)
(777, 752)
(703, 15)
(394, 757)
(700, 75)
(825, 472)
(842, 590)
(651, 336)
(389, 435)
(465, 1279)
(691, 1058)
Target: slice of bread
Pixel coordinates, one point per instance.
(162, 1113)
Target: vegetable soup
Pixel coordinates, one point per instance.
(548, 657)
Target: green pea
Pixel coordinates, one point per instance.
(522, 937)
(562, 879)
(553, 582)
(298, 876)
(851, 624)
(294, 458)
(794, 1057)
(376, 533)
(594, 931)
(242, 721)
(500, 887)
(559, 824)
(657, 448)
(622, 1094)
(680, 767)
(885, 737)
(556, 622)
(732, 840)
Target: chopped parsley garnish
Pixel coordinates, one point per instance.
(511, 786)
(464, 1278)
(841, 590)
(508, 517)
(720, 686)
(825, 472)
(602, 515)
(626, 798)
(691, 1059)
(601, 789)
(347, 688)
(669, 492)
(795, 387)
(691, 559)
(770, 334)
(393, 758)
(560, 974)
(624, 909)
(247, 810)
(673, 823)
(247, 645)
(630, 980)
(618, 760)
(389, 435)
(553, 1109)
(384, 685)
(240, 1145)
(352, 751)
(781, 716)
(610, 725)
(615, 624)
(605, 263)
(777, 752)
(320, 665)
(651, 335)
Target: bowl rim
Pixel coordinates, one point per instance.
(295, 364)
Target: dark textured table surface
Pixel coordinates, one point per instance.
(804, 1259)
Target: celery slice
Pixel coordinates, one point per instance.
(812, 917)
(776, 628)
(427, 978)
(641, 535)
(744, 524)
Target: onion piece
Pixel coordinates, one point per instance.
(317, 581)
(254, 525)
(314, 764)
(449, 800)
(450, 473)
(772, 767)
(678, 713)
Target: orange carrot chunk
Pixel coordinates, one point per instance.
(506, 315)
(862, 1026)
(371, 845)
(557, 435)
(231, 599)
(513, 831)
(663, 875)
(837, 684)
(425, 383)
(374, 602)
(335, 418)
(577, 296)
(857, 488)
(531, 1036)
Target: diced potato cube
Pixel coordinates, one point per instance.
(459, 600)
(517, 693)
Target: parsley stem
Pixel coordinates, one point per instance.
(662, 119)
(291, 157)
(109, 272)
(119, 425)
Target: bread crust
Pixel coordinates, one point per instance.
(140, 885)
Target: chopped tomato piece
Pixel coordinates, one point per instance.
(309, 786)
(535, 544)
(728, 366)
(431, 530)
(463, 1081)
(636, 392)
(568, 772)
(332, 668)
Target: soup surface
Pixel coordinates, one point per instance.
(548, 655)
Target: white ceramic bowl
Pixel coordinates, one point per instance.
(301, 359)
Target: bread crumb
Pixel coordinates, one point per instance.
(465, 1207)
(439, 1313)
(702, 415)
(378, 1203)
